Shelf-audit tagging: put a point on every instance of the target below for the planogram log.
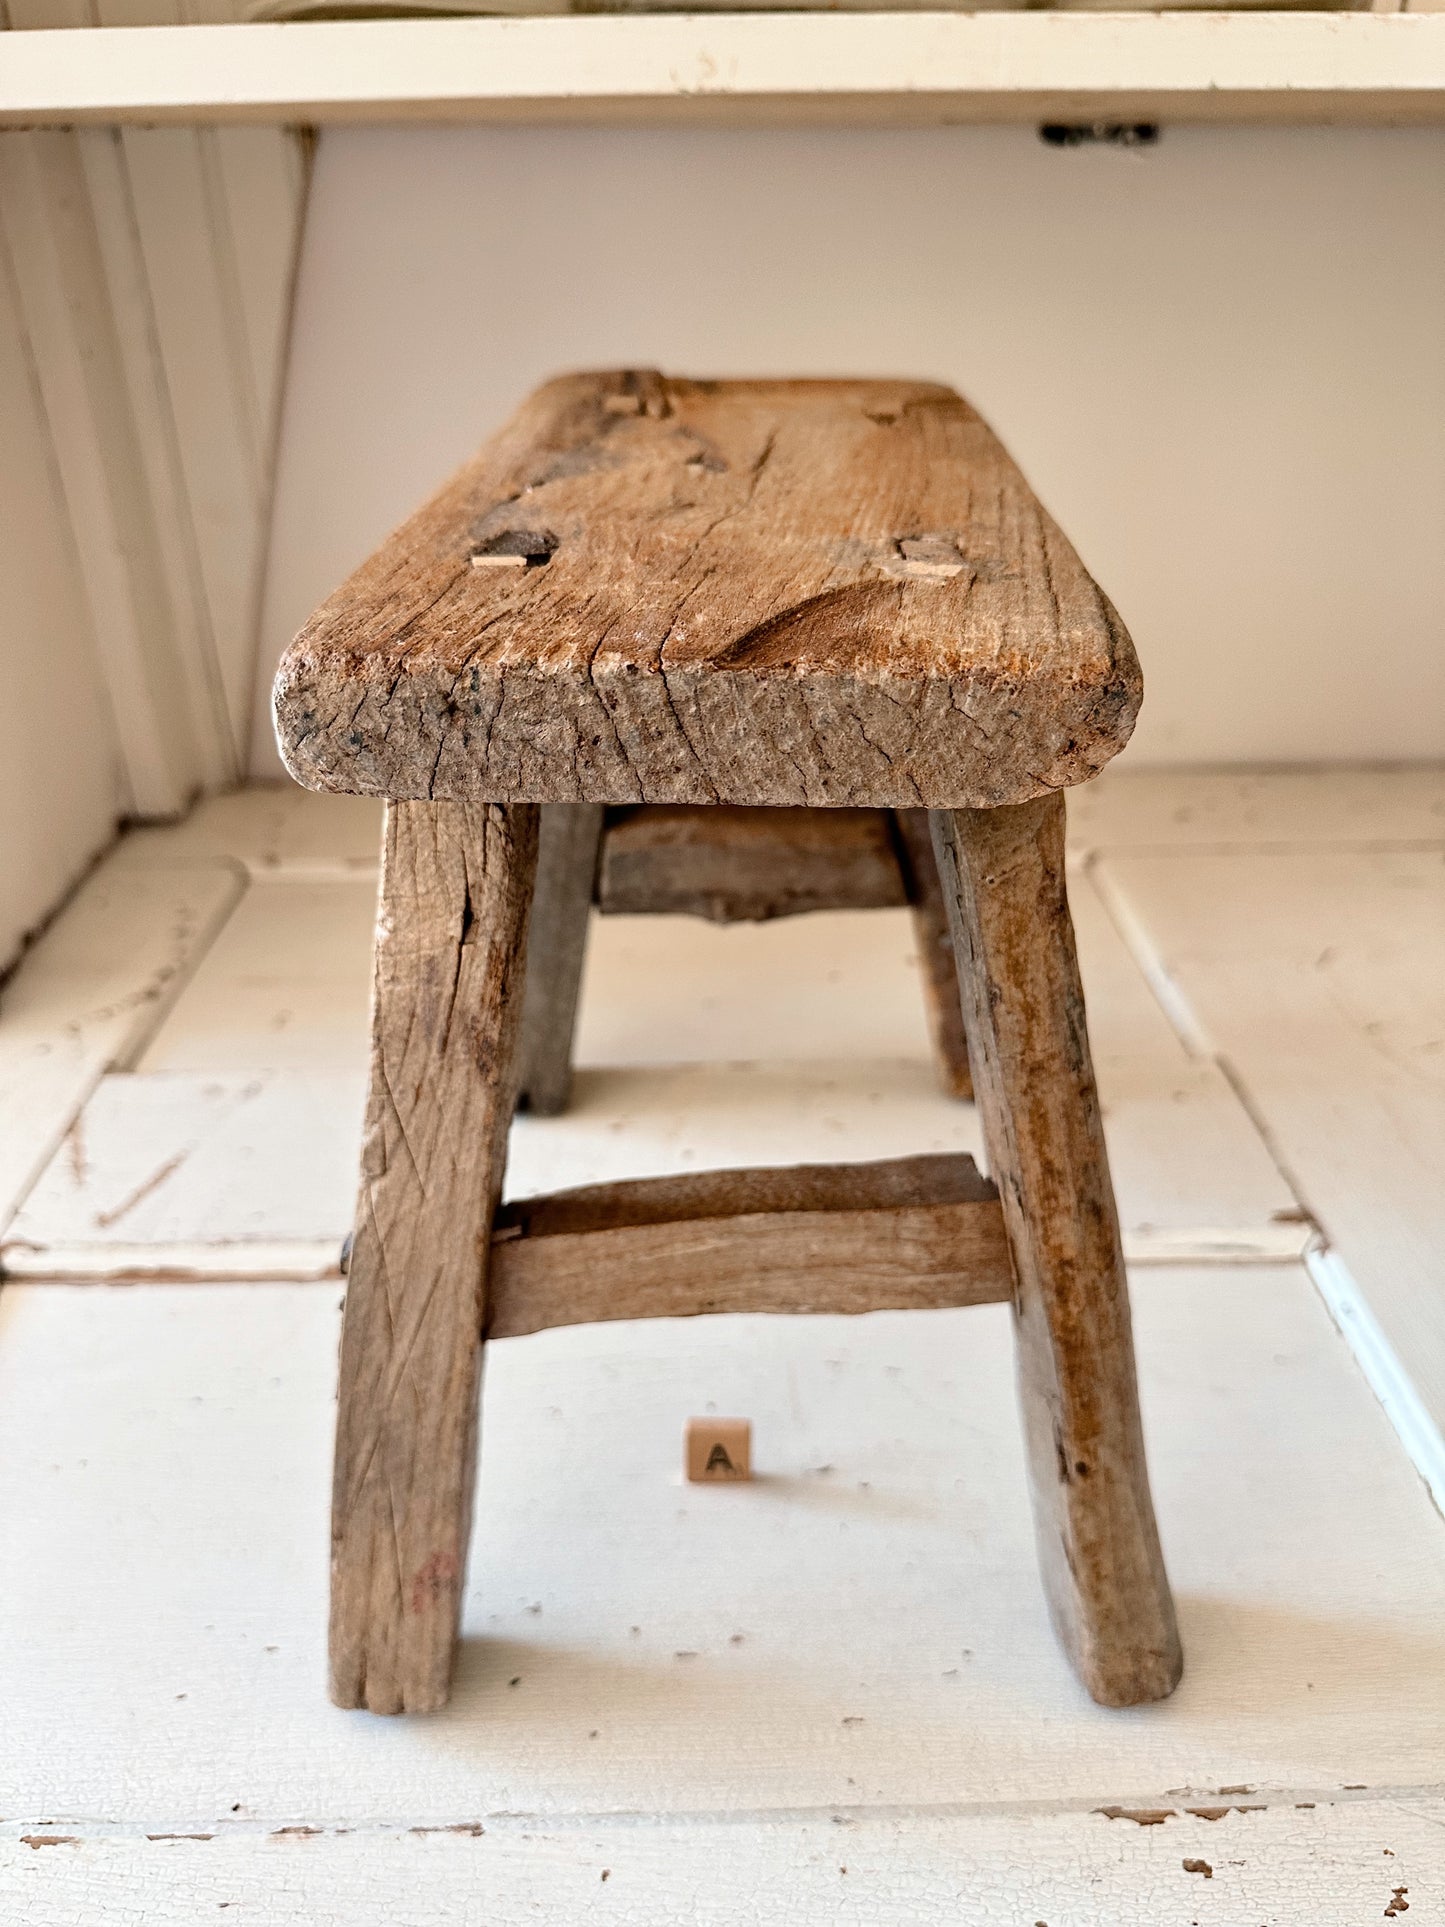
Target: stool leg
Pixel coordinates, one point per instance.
(1003, 878)
(571, 840)
(935, 953)
(456, 886)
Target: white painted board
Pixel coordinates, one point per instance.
(285, 986)
(267, 827)
(1317, 1866)
(88, 994)
(1131, 808)
(908, 65)
(1320, 978)
(164, 1460)
(247, 1175)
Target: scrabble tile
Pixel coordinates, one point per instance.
(719, 1449)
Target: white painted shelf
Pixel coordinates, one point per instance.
(876, 67)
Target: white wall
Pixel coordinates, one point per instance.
(1222, 363)
(145, 287)
(60, 779)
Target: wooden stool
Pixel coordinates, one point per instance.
(650, 591)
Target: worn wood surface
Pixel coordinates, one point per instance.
(884, 1184)
(1003, 880)
(909, 1234)
(746, 866)
(936, 962)
(450, 957)
(556, 949)
(739, 594)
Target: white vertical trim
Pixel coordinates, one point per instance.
(260, 177)
(193, 295)
(169, 256)
(110, 191)
(263, 176)
(61, 787)
(218, 215)
(66, 302)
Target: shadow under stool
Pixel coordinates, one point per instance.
(729, 598)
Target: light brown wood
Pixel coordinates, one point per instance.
(745, 866)
(556, 951)
(450, 953)
(908, 1234)
(936, 961)
(722, 604)
(1003, 880)
(882, 1184)
(718, 1451)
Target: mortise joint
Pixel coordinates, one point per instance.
(515, 549)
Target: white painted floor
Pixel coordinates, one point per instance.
(830, 1696)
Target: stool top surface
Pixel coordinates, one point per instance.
(647, 589)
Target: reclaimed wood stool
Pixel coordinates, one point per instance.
(647, 591)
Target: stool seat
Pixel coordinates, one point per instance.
(651, 590)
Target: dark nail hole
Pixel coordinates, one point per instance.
(533, 547)
(1109, 133)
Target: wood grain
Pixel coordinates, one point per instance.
(556, 949)
(726, 605)
(936, 961)
(746, 866)
(1003, 880)
(450, 956)
(909, 1234)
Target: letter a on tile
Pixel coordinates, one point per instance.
(719, 1449)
